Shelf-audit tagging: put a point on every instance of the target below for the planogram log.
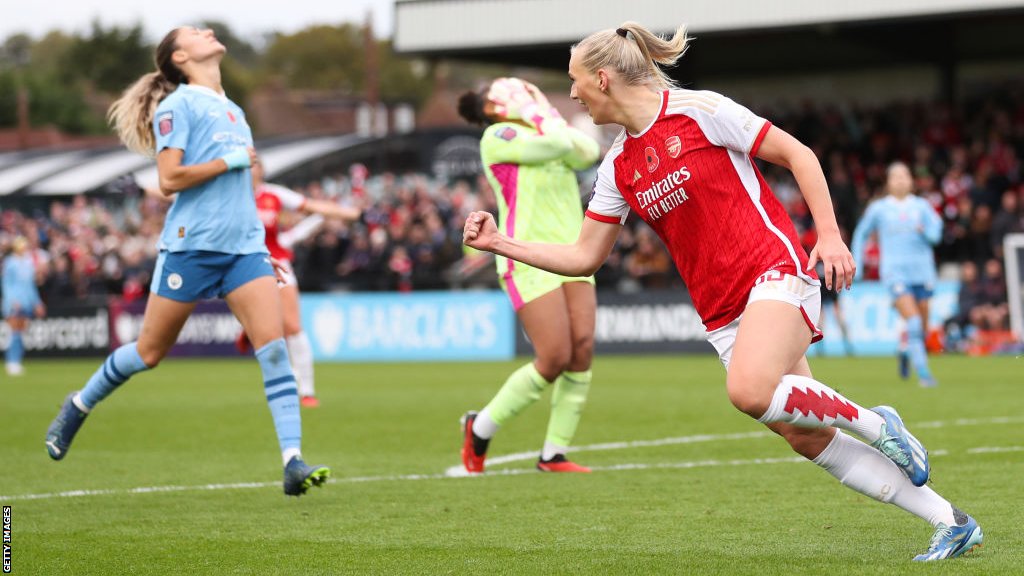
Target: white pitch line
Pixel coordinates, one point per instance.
(686, 464)
(970, 422)
(518, 456)
(140, 490)
(995, 449)
(458, 471)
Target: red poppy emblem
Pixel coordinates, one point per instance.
(652, 159)
(674, 146)
(231, 117)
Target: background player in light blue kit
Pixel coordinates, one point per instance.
(212, 241)
(907, 227)
(20, 301)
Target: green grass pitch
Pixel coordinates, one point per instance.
(179, 473)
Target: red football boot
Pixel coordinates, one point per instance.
(559, 463)
(473, 462)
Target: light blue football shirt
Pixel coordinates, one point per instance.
(218, 215)
(19, 283)
(907, 230)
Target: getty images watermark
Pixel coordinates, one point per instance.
(7, 539)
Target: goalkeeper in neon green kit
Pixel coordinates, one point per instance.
(529, 154)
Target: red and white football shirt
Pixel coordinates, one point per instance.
(271, 199)
(691, 176)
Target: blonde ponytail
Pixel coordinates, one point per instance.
(131, 115)
(635, 53)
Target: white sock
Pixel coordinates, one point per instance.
(552, 450)
(483, 426)
(288, 454)
(300, 351)
(868, 471)
(805, 402)
(77, 401)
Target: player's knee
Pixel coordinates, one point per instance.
(151, 357)
(551, 363)
(744, 393)
(746, 401)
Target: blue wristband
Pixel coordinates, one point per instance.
(237, 159)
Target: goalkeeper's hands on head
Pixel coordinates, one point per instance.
(516, 99)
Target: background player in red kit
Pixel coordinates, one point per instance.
(685, 163)
(271, 200)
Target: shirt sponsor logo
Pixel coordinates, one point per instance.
(674, 146)
(664, 195)
(165, 123)
(652, 159)
(231, 138)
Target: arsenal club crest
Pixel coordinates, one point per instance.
(674, 146)
(652, 159)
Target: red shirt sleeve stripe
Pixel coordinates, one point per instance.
(603, 218)
(760, 138)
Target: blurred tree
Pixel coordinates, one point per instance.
(15, 51)
(110, 58)
(401, 78)
(8, 98)
(54, 103)
(49, 53)
(319, 57)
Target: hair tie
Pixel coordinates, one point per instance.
(622, 32)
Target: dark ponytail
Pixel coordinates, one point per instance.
(471, 107)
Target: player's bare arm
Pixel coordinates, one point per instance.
(780, 148)
(581, 258)
(175, 176)
(331, 210)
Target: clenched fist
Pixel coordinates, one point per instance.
(480, 231)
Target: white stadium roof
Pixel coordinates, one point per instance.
(19, 174)
(65, 173)
(448, 25)
(276, 159)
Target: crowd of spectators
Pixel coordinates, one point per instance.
(966, 160)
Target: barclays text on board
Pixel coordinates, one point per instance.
(416, 326)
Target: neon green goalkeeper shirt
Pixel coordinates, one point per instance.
(532, 174)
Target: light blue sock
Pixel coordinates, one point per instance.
(16, 348)
(915, 346)
(282, 394)
(116, 370)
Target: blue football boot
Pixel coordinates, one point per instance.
(63, 428)
(953, 541)
(299, 476)
(900, 446)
